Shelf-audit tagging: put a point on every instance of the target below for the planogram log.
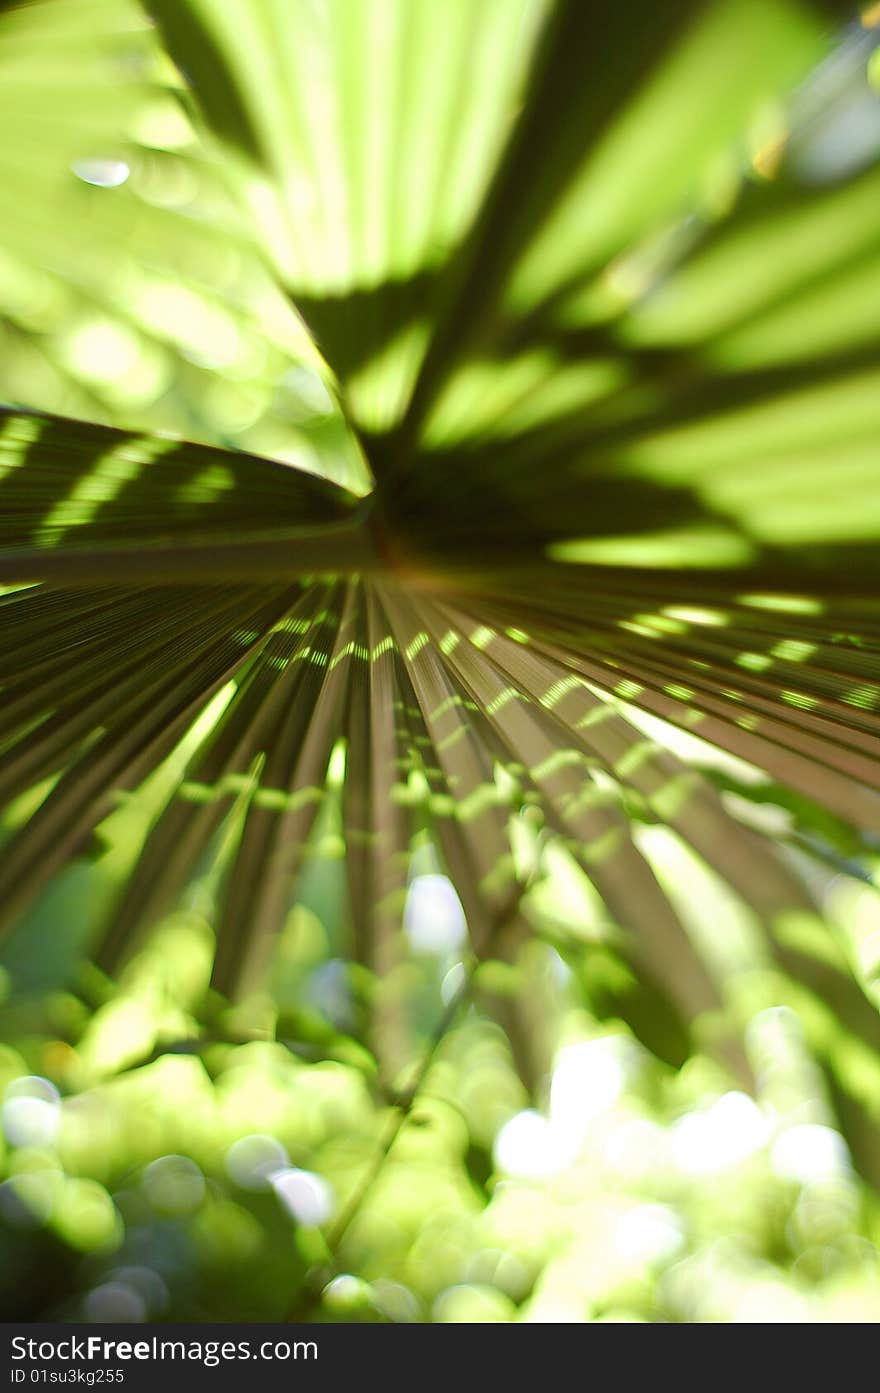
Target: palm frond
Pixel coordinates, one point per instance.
(86, 504)
(604, 519)
(132, 290)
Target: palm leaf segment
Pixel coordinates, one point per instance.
(602, 327)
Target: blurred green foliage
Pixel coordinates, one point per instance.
(168, 1156)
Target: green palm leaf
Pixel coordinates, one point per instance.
(587, 563)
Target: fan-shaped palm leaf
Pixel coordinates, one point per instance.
(597, 298)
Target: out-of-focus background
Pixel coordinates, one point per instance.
(164, 1159)
(553, 1170)
(200, 1186)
